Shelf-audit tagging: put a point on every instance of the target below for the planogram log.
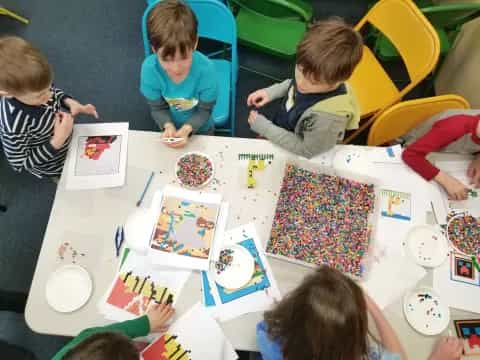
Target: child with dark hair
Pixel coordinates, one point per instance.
(113, 342)
(179, 83)
(317, 105)
(326, 318)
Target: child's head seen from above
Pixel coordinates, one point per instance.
(327, 55)
(172, 32)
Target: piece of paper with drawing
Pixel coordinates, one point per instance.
(396, 204)
(98, 155)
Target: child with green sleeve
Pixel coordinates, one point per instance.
(114, 341)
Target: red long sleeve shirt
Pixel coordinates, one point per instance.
(442, 133)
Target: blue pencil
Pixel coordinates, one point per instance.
(139, 202)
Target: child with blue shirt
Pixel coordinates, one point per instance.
(326, 318)
(179, 83)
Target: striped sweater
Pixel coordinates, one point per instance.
(26, 131)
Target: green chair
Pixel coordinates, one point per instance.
(447, 20)
(6, 12)
(272, 26)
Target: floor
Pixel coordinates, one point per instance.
(95, 49)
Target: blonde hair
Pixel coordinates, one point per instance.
(330, 51)
(24, 68)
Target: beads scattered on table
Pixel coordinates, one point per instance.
(463, 231)
(322, 219)
(194, 170)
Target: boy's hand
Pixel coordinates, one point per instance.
(62, 129)
(183, 133)
(169, 130)
(455, 189)
(447, 348)
(473, 172)
(252, 117)
(258, 98)
(77, 108)
(158, 316)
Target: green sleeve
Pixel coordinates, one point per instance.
(131, 328)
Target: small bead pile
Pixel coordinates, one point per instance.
(322, 219)
(224, 261)
(464, 232)
(194, 170)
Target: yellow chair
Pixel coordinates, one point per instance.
(417, 43)
(11, 14)
(400, 118)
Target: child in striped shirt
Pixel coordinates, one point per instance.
(36, 118)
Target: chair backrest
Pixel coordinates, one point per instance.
(449, 16)
(286, 9)
(411, 33)
(400, 118)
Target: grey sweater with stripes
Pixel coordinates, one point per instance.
(25, 132)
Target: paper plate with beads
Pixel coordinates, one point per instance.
(425, 311)
(234, 267)
(68, 288)
(426, 245)
(463, 233)
(194, 170)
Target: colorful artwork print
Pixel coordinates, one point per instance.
(469, 331)
(463, 231)
(166, 347)
(136, 294)
(185, 227)
(396, 205)
(322, 219)
(259, 280)
(98, 155)
(462, 269)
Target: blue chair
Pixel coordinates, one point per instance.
(215, 22)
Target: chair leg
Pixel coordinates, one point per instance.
(3, 208)
(6, 12)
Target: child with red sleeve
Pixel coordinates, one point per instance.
(454, 131)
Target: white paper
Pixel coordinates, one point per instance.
(254, 302)
(200, 335)
(390, 276)
(389, 154)
(173, 279)
(456, 294)
(93, 160)
(171, 259)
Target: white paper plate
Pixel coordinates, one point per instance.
(68, 288)
(426, 245)
(239, 272)
(201, 185)
(425, 311)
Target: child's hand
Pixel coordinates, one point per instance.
(169, 130)
(62, 129)
(447, 348)
(473, 172)
(258, 98)
(252, 117)
(77, 108)
(455, 189)
(159, 315)
(182, 133)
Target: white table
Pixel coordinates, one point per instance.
(87, 221)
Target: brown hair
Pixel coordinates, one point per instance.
(24, 68)
(329, 51)
(323, 318)
(172, 26)
(104, 346)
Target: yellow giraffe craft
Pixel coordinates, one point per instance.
(392, 200)
(252, 166)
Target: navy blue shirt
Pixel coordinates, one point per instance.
(295, 103)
